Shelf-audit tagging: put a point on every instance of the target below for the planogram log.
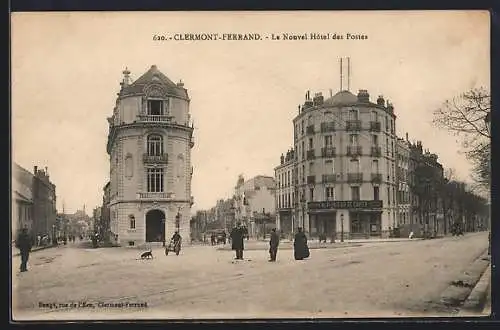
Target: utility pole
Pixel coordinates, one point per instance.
(341, 227)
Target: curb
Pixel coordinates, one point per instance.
(459, 290)
(477, 298)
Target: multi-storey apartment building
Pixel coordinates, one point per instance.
(285, 178)
(346, 150)
(254, 202)
(149, 144)
(403, 187)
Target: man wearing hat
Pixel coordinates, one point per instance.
(237, 241)
(273, 245)
(23, 243)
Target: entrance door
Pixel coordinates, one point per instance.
(155, 226)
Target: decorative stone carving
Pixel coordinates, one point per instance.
(154, 90)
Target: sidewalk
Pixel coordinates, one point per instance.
(16, 253)
(479, 300)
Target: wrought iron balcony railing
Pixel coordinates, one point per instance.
(354, 177)
(328, 152)
(310, 154)
(375, 126)
(160, 159)
(155, 118)
(154, 195)
(328, 127)
(354, 151)
(328, 178)
(353, 125)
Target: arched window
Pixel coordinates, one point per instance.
(155, 145)
(132, 221)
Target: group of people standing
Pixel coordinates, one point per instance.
(300, 247)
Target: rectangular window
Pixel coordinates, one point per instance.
(375, 168)
(387, 124)
(155, 179)
(376, 193)
(303, 173)
(311, 194)
(302, 130)
(132, 222)
(311, 146)
(303, 150)
(328, 141)
(355, 193)
(155, 107)
(374, 116)
(353, 114)
(311, 168)
(353, 138)
(388, 195)
(354, 166)
(375, 140)
(330, 193)
(329, 167)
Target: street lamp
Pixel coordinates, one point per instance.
(341, 227)
(177, 219)
(163, 231)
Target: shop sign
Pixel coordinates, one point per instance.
(371, 204)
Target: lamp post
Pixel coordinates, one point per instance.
(177, 219)
(163, 231)
(341, 227)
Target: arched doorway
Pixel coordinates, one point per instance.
(155, 226)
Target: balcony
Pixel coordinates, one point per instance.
(376, 152)
(328, 152)
(353, 125)
(328, 178)
(155, 118)
(310, 130)
(375, 126)
(328, 127)
(155, 195)
(157, 159)
(355, 177)
(376, 178)
(354, 151)
(310, 154)
(311, 179)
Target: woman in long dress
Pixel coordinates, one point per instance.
(300, 248)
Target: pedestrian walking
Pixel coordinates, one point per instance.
(24, 244)
(273, 245)
(237, 241)
(300, 248)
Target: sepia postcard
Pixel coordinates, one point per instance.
(250, 165)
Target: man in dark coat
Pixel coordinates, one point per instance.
(300, 248)
(273, 245)
(24, 244)
(237, 241)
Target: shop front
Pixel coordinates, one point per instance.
(285, 221)
(346, 219)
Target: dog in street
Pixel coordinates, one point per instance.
(147, 255)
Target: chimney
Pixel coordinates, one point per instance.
(180, 84)
(318, 99)
(406, 136)
(363, 96)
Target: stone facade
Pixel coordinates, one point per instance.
(34, 201)
(149, 143)
(285, 178)
(404, 218)
(346, 150)
(253, 198)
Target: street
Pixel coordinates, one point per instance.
(366, 280)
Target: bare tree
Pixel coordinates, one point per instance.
(468, 116)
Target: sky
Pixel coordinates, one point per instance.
(66, 68)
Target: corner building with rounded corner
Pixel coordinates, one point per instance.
(345, 176)
(149, 146)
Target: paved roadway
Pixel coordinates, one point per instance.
(368, 280)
